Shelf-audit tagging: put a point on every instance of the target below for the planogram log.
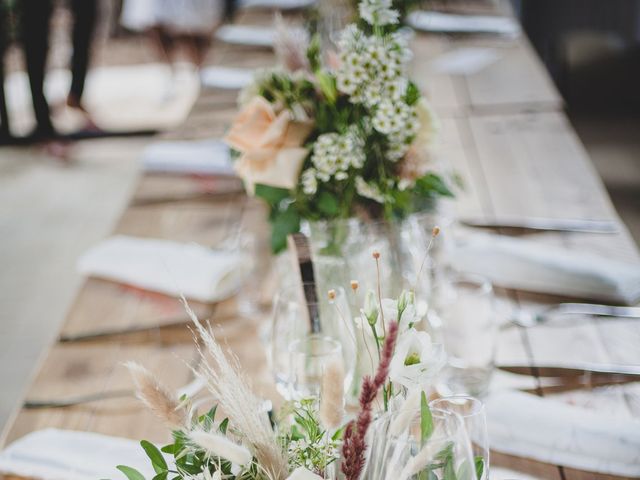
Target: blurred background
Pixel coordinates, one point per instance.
(59, 196)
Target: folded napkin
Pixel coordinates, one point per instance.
(464, 61)
(226, 77)
(277, 4)
(527, 265)
(200, 157)
(247, 35)
(455, 23)
(167, 267)
(561, 434)
(54, 454)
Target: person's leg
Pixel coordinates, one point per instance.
(85, 15)
(200, 47)
(34, 18)
(5, 131)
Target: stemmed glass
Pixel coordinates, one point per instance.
(471, 410)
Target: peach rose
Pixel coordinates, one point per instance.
(270, 144)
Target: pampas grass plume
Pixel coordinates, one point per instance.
(156, 397)
(332, 395)
(217, 445)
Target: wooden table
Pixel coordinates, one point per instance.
(502, 129)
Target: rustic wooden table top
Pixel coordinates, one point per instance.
(502, 129)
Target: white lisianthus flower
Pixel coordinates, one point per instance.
(416, 360)
(406, 316)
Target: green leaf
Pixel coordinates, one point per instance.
(170, 449)
(131, 473)
(479, 461)
(328, 204)
(313, 53)
(161, 475)
(283, 224)
(272, 195)
(224, 425)
(328, 86)
(412, 95)
(432, 183)
(157, 460)
(426, 420)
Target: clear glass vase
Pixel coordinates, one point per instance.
(342, 251)
(445, 454)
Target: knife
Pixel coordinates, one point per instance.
(631, 372)
(540, 223)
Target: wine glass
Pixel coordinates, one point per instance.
(472, 412)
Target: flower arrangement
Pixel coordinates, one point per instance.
(344, 139)
(309, 439)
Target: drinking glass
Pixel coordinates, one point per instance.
(291, 322)
(309, 358)
(471, 410)
(463, 315)
(446, 453)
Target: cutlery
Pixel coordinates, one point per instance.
(553, 314)
(578, 370)
(548, 224)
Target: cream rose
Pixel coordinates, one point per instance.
(270, 144)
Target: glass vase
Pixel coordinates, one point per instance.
(445, 454)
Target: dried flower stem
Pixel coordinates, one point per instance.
(354, 443)
(434, 233)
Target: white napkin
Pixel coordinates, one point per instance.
(226, 77)
(167, 267)
(277, 4)
(54, 454)
(247, 35)
(465, 61)
(527, 265)
(200, 157)
(455, 23)
(561, 434)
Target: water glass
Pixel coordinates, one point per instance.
(463, 315)
(309, 358)
(472, 412)
(291, 324)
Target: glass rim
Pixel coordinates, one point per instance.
(477, 404)
(295, 291)
(337, 346)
